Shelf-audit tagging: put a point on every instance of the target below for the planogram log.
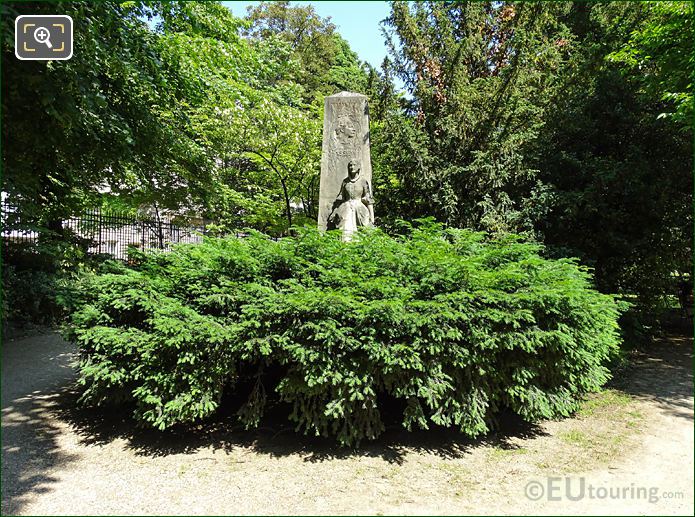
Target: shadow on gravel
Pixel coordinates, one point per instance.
(35, 371)
(278, 438)
(30, 449)
(663, 373)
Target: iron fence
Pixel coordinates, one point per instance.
(108, 233)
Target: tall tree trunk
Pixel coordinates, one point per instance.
(287, 205)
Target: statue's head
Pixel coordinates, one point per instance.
(354, 168)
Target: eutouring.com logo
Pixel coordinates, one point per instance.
(578, 489)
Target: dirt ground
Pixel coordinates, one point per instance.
(628, 452)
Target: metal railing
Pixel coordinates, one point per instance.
(108, 233)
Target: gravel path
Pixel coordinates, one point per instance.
(57, 460)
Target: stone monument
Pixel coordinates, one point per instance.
(345, 194)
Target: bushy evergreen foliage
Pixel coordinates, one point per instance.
(451, 324)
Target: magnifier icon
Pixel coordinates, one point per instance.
(42, 35)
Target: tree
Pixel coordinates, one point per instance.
(327, 65)
(229, 82)
(659, 51)
(266, 152)
(620, 174)
(259, 138)
(480, 77)
(128, 117)
(107, 119)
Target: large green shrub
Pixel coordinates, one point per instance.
(448, 325)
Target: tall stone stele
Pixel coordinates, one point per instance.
(345, 194)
